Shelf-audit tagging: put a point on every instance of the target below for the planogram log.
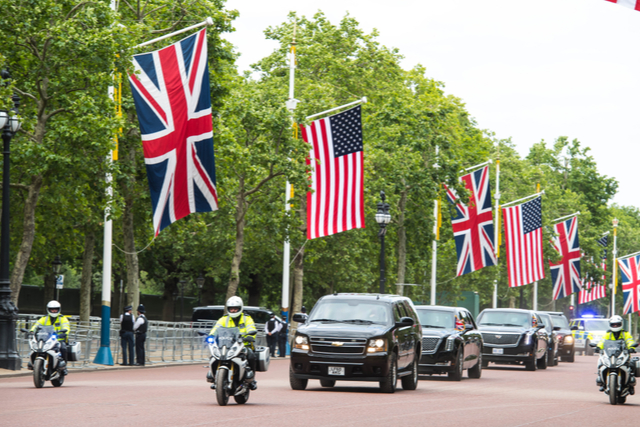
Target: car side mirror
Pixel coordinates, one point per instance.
(592, 344)
(574, 328)
(300, 318)
(405, 321)
(468, 327)
(556, 328)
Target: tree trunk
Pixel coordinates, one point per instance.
(28, 235)
(49, 289)
(241, 209)
(255, 288)
(87, 272)
(402, 243)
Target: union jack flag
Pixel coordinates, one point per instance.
(473, 224)
(171, 93)
(565, 274)
(630, 283)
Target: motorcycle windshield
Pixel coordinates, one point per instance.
(614, 348)
(44, 332)
(227, 336)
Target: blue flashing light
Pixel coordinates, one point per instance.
(210, 339)
(54, 336)
(588, 316)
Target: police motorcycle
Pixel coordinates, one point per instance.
(228, 364)
(617, 370)
(45, 358)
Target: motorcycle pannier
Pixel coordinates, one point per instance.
(263, 357)
(636, 365)
(74, 352)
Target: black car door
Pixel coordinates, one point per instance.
(402, 334)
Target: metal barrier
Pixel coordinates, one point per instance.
(167, 342)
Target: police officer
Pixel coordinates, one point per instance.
(615, 333)
(282, 338)
(140, 329)
(235, 318)
(271, 328)
(61, 326)
(126, 335)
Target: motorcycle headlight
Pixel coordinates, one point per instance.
(376, 345)
(606, 362)
(301, 342)
(235, 350)
(215, 350)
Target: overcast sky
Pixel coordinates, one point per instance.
(525, 70)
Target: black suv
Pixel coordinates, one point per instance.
(552, 339)
(566, 349)
(357, 337)
(513, 336)
(451, 342)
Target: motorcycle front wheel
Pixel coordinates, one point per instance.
(613, 388)
(38, 373)
(222, 394)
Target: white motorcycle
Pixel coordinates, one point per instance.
(45, 358)
(228, 365)
(617, 370)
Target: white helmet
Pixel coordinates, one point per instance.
(235, 304)
(615, 323)
(53, 308)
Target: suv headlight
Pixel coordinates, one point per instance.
(376, 345)
(527, 338)
(568, 339)
(301, 342)
(451, 340)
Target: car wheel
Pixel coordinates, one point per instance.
(388, 385)
(327, 383)
(542, 362)
(410, 382)
(456, 375)
(570, 358)
(296, 383)
(531, 365)
(551, 360)
(588, 350)
(476, 370)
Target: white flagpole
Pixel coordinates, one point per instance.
(497, 230)
(362, 100)
(615, 266)
(566, 216)
(434, 245)
(207, 21)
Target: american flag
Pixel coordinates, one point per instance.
(631, 4)
(336, 160)
(630, 283)
(523, 241)
(591, 290)
(473, 224)
(565, 274)
(171, 94)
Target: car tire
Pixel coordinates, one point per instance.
(327, 383)
(388, 385)
(542, 362)
(531, 365)
(570, 358)
(296, 383)
(410, 382)
(550, 358)
(456, 375)
(476, 370)
(588, 350)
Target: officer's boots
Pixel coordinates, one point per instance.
(599, 382)
(62, 367)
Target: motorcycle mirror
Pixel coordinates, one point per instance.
(240, 340)
(634, 345)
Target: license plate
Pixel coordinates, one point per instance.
(336, 370)
(498, 351)
(580, 343)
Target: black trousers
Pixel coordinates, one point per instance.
(272, 340)
(140, 339)
(127, 347)
(282, 343)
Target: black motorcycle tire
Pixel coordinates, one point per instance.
(38, 373)
(241, 399)
(58, 381)
(222, 394)
(612, 384)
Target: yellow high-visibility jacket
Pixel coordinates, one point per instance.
(243, 322)
(624, 335)
(59, 323)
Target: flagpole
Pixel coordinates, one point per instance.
(535, 284)
(615, 266)
(497, 230)
(291, 106)
(208, 21)
(362, 100)
(434, 244)
(524, 198)
(566, 216)
(488, 162)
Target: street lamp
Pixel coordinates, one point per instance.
(182, 283)
(56, 266)
(382, 218)
(9, 358)
(200, 283)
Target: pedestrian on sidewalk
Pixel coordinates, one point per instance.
(126, 336)
(140, 329)
(283, 336)
(271, 328)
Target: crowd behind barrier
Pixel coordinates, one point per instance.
(167, 342)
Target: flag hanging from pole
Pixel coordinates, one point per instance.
(171, 95)
(523, 241)
(336, 203)
(565, 274)
(473, 223)
(630, 275)
(631, 4)
(591, 290)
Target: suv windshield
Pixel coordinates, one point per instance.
(504, 318)
(559, 320)
(436, 318)
(351, 311)
(596, 325)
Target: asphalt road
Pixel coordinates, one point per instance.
(179, 396)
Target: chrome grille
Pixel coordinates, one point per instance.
(430, 344)
(328, 345)
(500, 338)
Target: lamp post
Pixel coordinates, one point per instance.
(382, 218)
(182, 283)
(56, 266)
(9, 358)
(200, 283)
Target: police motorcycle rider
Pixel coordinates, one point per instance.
(615, 333)
(60, 324)
(235, 318)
